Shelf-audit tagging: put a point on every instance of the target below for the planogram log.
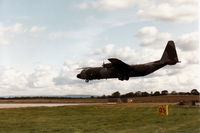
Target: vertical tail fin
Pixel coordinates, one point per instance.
(170, 56)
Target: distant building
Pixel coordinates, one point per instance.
(127, 100)
(120, 100)
(114, 100)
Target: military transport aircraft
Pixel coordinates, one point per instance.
(118, 69)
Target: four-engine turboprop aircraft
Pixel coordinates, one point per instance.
(118, 69)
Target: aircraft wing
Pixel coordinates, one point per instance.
(118, 63)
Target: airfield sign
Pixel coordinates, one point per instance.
(163, 109)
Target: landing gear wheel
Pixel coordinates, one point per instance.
(87, 80)
(126, 78)
(121, 78)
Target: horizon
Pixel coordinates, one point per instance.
(89, 95)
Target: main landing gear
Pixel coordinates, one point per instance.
(123, 77)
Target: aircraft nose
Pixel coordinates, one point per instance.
(78, 76)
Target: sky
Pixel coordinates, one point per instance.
(43, 43)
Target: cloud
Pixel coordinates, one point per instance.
(107, 4)
(152, 38)
(83, 5)
(19, 28)
(171, 11)
(147, 31)
(158, 41)
(12, 79)
(44, 80)
(67, 74)
(34, 29)
(41, 77)
(83, 35)
(112, 4)
(10, 34)
(105, 50)
(186, 45)
(188, 41)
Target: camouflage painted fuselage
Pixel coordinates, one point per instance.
(123, 74)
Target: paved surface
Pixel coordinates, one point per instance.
(46, 105)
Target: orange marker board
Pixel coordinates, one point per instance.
(163, 109)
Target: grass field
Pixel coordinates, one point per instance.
(119, 118)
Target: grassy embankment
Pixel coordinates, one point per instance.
(119, 118)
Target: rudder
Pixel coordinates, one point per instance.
(170, 56)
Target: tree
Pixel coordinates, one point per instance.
(116, 94)
(164, 92)
(173, 93)
(130, 94)
(157, 93)
(194, 92)
(138, 93)
(104, 96)
(145, 94)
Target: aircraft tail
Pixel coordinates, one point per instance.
(169, 56)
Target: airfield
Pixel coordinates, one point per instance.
(92, 115)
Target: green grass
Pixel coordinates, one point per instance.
(119, 118)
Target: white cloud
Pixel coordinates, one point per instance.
(10, 78)
(67, 74)
(152, 38)
(186, 46)
(83, 35)
(57, 35)
(184, 12)
(112, 4)
(107, 4)
(157, 41)
(189, 57)
(105, 50)
(171, 11)
(34, 29)
(83, 5)
(17, 28)
(10, 34)
(147, 31)
(189, 41)
(182, 77)
(41, 77)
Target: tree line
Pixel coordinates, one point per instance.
(146, 94)
(113, 95)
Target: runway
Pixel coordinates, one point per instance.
(21, 105)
